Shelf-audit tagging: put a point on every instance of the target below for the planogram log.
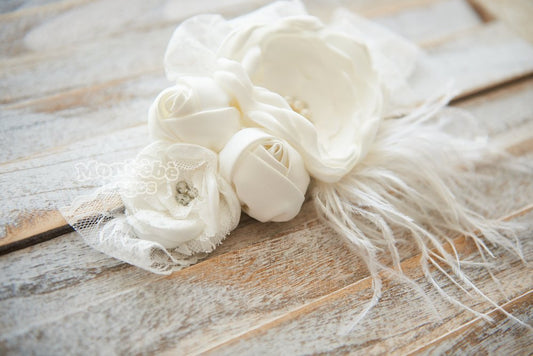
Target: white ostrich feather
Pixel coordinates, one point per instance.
(417, 180)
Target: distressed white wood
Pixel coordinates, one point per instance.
(477, 336)
(400, 320)
(479, 59)
(269, 269)
(85, 302)
(42, 28)
(25, 27)
(229, 299)
(71, 117)
(49, 179)
(516, 14)
(129, 55)
(16, 24)
(432, 21)
(20, 5)
(68, 116)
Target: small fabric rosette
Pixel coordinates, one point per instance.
(176, 197)
(268, 175)
(195, 110)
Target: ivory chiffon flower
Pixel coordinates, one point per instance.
(268, 175)
(177, 198)
(196, 110)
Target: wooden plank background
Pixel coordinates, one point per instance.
(76, 80)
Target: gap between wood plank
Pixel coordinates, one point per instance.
(483, 13)
(390, 7)
(488, 90)
(526, 298)
(72, 94)
(407, 265)
(35, 239)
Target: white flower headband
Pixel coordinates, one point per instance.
(274, 106)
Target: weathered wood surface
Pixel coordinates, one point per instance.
(476, 336)
(516, 14)
(270, 288)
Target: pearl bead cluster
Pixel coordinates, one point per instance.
(299, 106)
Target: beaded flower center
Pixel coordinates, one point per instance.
(299, 106)
(185, 193)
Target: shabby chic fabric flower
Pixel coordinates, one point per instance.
(268, 175)
(177, 198)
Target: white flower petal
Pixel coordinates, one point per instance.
(166, 230)
(192, 210)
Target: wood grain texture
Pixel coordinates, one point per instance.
(477, 336)
(401, 318)
(23, 20)
(15, 24)
(7, 6)
(96, 51)
(100, 107)
(431, 21)
(27, 31)
(516, 14)
(481, 64)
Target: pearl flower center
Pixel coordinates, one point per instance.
(299, 106)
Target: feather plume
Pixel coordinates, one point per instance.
(417, 179)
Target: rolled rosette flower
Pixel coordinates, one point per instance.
(268, 175)
(176, 197)
(196, 110)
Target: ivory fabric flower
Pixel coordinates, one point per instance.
(177, 198)
(268, 175)
(293, 76)
(327, 73)
(196, 110)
